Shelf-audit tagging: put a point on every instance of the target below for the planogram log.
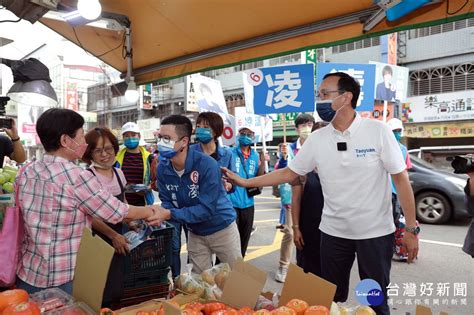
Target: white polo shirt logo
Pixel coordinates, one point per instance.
(363, 152)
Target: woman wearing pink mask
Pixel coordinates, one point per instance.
(57, 200)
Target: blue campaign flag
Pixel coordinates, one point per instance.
(283, 89)
(364, 73)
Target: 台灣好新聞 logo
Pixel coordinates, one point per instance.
(369, 292)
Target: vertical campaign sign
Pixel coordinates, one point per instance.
(363, 73)
(280, 89)
(391, 82)
(257, 123)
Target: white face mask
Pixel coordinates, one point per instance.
(305, 132)
(103, 166)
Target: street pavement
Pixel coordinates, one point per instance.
(441, 262)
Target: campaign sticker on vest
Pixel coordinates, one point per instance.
(369, 292)
(194, 177)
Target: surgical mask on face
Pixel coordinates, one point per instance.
(79, 150)
(204, 135)
(131, 143)
(245, 140)
(325, 110)
(398, 135)
(167, 151)
(103, 166)
(305, 132)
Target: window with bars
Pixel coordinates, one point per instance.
(285, 59)
(125, 116)
(442, 28)
(442, 80)
(363, 43)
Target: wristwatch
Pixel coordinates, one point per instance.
(414, 230)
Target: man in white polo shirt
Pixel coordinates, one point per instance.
(354, 158)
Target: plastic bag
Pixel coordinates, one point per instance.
(189, 283)
(217, 275)
(343, 309)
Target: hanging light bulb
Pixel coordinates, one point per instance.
(89, 9)
(131, 94)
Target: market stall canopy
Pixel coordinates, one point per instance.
(172, 38)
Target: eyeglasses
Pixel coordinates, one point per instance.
(165, 139)
(108, 150)
(324, 93)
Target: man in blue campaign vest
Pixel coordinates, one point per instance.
(191, 192)
(248, 164)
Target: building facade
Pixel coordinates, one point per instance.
(441, 69)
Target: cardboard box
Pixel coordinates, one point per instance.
(308, 287)
(245, 285)
(242, 288)
(147, 306)
(92, 265)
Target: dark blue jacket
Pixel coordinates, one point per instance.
(198, 198)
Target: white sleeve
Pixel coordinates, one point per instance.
(391, 154)
(305, 160)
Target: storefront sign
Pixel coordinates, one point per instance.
(439, 107)
(289, 119)
(454, 130)
(145, 96)
(71, 96)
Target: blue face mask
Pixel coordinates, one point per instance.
(204, 135)
(398, 135)
(131, 143)
(325, 111)
(245, 140)
(166, 152)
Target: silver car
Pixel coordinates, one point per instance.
(439, 195)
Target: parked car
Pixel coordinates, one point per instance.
(439, 194)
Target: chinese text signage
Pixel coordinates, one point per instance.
(282, 89)
(363, 73)
(440, 107)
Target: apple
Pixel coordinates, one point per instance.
(8, 187)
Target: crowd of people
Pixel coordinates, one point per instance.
(343, 185)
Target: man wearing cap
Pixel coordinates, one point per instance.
(248, 164)
(135, 162)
